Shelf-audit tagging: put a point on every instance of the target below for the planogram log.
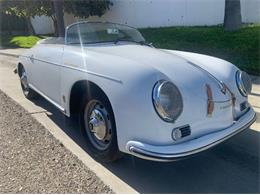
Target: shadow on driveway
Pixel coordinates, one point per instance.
(231, 167)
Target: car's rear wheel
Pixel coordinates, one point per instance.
(99, 129)
(27, 91)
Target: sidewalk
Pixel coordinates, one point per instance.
(12, 52)
(254, 100)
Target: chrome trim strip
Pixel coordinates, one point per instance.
(240, 84)
(48, 99)
(78, 69)
(220, 83)
(158, 107)
(149, 155)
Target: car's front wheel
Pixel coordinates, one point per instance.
(99, 129)
(27, 91)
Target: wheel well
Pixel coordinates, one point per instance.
(82, 89)
(19, 69)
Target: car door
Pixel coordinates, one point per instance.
(47, 61)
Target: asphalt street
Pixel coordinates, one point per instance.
(231, 167)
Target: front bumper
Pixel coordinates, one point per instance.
(191, 147)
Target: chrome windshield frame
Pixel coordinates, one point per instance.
(83, 22)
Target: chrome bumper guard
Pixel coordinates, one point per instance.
(155, 156)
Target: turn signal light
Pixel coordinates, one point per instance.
(210, 103)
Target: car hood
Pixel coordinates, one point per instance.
(189, 76)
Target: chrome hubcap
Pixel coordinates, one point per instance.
(98, 125)
(24, 82)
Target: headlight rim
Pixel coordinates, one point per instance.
(156, 101)
(240, 84)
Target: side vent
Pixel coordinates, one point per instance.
(185, 131)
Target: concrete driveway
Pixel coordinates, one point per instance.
(231, 167)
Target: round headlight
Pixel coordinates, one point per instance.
(167, 100)
(244, 83)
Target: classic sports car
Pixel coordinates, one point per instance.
(133, 98)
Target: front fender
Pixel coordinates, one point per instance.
(221, 69)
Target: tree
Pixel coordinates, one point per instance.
(232, 19)
(79, 8)
(21, 8)
(59, 15)
(86, 8)
(54, 9)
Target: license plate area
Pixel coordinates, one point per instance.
(223, 111)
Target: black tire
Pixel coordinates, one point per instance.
(111, 152)
(27, 91)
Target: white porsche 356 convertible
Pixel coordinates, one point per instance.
(131, 97)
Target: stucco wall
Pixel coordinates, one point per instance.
(250, 11)
(157, 13)
(42, 25)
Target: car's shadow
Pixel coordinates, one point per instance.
(231, 167)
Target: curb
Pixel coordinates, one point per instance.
(9, 54)
(109, 178)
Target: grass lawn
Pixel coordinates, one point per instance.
(240, 47)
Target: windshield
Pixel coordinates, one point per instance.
(98, 32)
